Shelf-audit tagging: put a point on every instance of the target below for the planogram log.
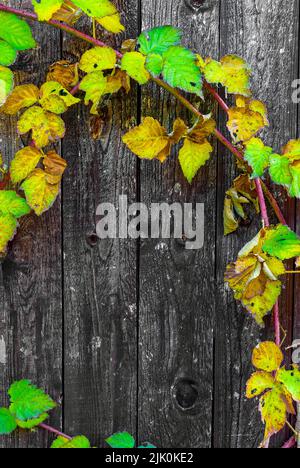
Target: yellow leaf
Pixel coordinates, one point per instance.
(147, 140)
(45, 9)
(267, 356)
(232, 72)
(98, 59)
(117, 81)
(274, 412)
(243, 123)
(40, 194)
(55, 98)
(230, 222)
(46, 127)
(193, 156)
(65, 73)
(112, 23)
(203, 129)
(55, 166)
(68, 13)
(255, 106)
(179, 131)
(24, 162)
(8, 227)
(21, 97)
(134, 64)
(258, 383)
(94, 85)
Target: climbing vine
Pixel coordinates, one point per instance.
(32, 181)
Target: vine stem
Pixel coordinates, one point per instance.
(66, 28)
(54, 431)
(262, 202)
(290, 443)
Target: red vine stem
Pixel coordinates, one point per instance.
(54, 431)
(290, 443)
(174, 92)
(262, 202)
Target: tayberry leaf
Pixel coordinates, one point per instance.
(16, 31)
(193, 156)
(281, 242)
(8, 227)
(7, 421)
(24, 162)
(94, 85)
(134, 64)
(65, 73)
(111, 23)
(6, 83)
(55, 167)
(79, 442)
(13, 204)
(180, 70)
(285, 169)
(98, 59)
(45, 9)
(267, 356)
(232, 72)
(121, 440)
(8, 54)
(243, 123)
(96, 8)
(147, 140)
(28, 401)
(158, 40)
(21, 97)
(55, 98)
(280, 170)
(258, 383)
(273, 408)
(291, 380)
(254, 280)
(46, 127)
(258, 156)
(68, 13)
(155, 64)
(32, 423)
(40, 193)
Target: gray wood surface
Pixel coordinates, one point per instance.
(144, 336)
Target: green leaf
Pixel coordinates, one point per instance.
(32, 423)
(28, 401)
(158, 40)
(280, 170)
(146, 445)
(134, 64)
(45, 9)
(94, 85)
(291, 380)
(6, 83)
(258, 156)
(154, 64)
(40, 192)
(16, 31)
(79, 442)
(7, 422)
(121, 440)
(8, 54)
(180, 70)
(96, 8)
(281, 242)
(11, 203)
(8, 227)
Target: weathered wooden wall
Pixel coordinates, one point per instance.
(144, 336)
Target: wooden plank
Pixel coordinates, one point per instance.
(99, 276)
(176, 285)
(30, 277)
(265, 33)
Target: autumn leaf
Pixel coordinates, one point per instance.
(232, 72)
(159, 40)
(267, 356)
(45, 9)
(45, 126)
(254, 280)
(291, 380)
(273, 410)
(115, 82)
(258, 383)
(6, 83)
(147, 140)
(243, 123)
(104, 12)
(134, 64)
(94, 84)
(55, 167)
(281, 242)
(78, 442)
(112, 23)
(285, 169)
(98, 59)
(40, 194)
(55, 98)
(258, 156)
(65, 73)
(8, 228)
(68, 13)
(21, 97)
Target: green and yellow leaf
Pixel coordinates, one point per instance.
(267, 356)
(55, 98)
(11, 203)
(291, 381)
(193, 156)
(273, 410)
(134, 64)
(232, 72)
(285, 169)
(96, 8)
(45, 126)
(159, 40)
(244, 123)
(281, 242)
(258, 156)
(27, 401)
(79, 442)
(258, 383)
(8, 227)
(95, 86)
(98, 59)
(40, 193)
(6, 83)
(21, 97)
(45, 9)
(32, 423)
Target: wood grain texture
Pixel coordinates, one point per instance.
(265, 33)
(99, 277)
(177, 286)
(30, 277)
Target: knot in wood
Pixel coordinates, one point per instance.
(186, 393)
